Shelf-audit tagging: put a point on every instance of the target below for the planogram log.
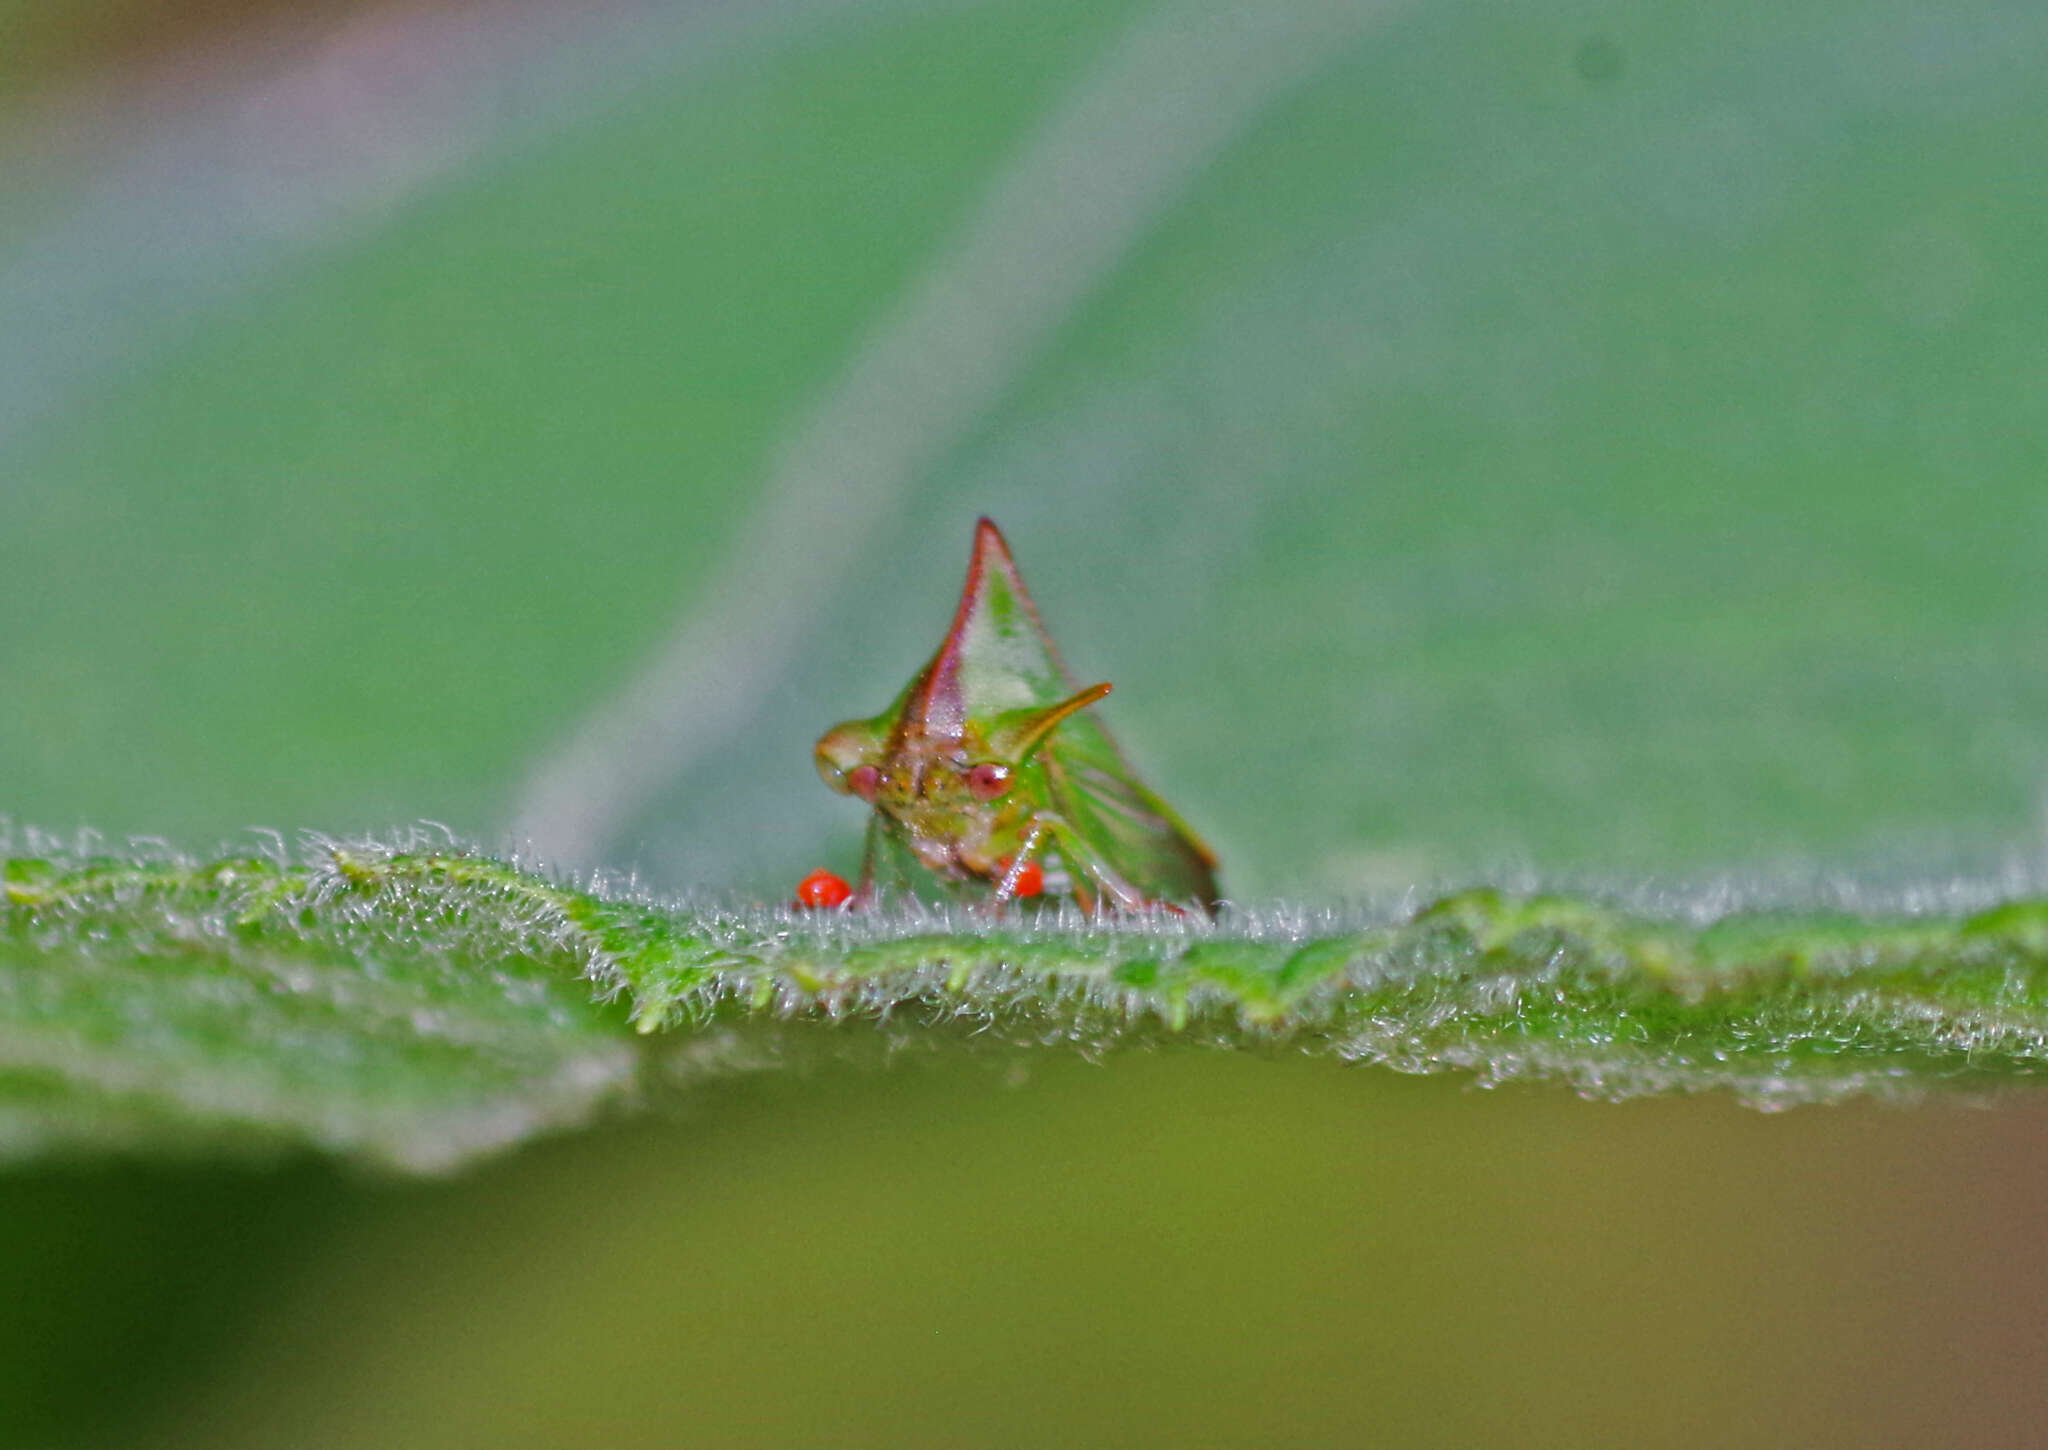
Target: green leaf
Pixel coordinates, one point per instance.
(408, 1012)
(413, 1009)
(1778, 1008)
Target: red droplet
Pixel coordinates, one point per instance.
(1030, 880)
(822, 889)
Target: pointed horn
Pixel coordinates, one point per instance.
(1026, 730)
(937, 705)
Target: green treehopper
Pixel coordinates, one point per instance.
(992, 780)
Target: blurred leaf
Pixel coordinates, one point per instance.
(414, 1009)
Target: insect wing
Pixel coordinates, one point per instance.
(1137, 833)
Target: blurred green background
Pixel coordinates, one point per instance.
(1473, 437)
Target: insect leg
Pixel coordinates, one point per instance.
(1006, 889)
(1084, 860)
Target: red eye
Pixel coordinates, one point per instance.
(987, 781)
(864, 781)
(821, 889)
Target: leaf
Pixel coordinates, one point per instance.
(410, 1014)
(414, 1009)
(1778, 1008)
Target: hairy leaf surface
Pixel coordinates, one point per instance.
(415, 1008)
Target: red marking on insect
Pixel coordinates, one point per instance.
(988, 780)
(821, 890)
(1030, 878)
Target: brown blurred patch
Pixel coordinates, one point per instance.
(54, 45)
(79, 81)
